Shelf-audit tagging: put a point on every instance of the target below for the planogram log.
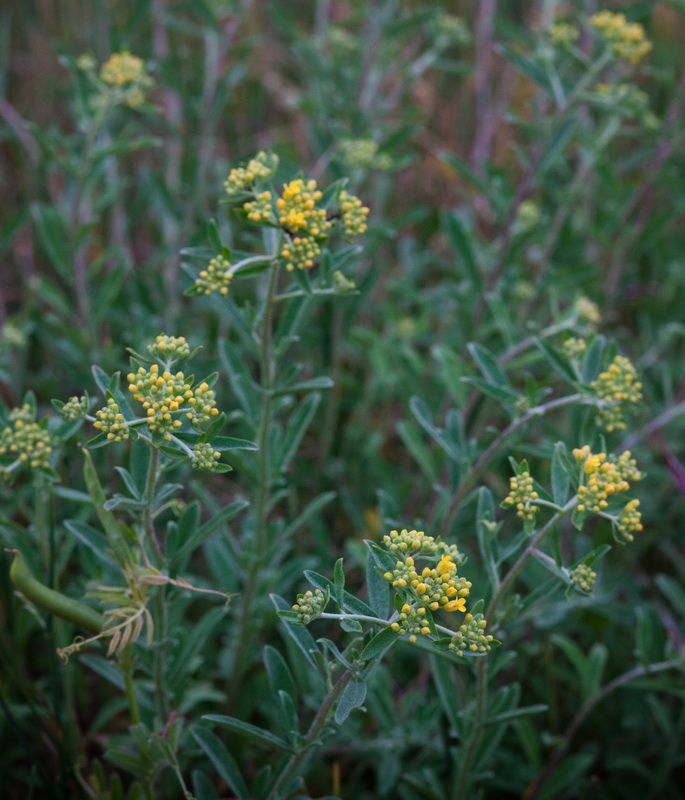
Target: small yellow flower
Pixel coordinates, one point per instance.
(627, 39)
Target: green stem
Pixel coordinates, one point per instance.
(159, 601)
(484, 459)
(318, 723)
(240, 657)
(127, 665)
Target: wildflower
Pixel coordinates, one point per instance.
(258, 169)
(435, 588)
(171, 348)
(574, 348)
(297, 209)
(618, 389)
(583, 578)
(215, 277)
(309, 605)
(75, 408)
(122, 68)
(411, 620)
(527, 215)
(627, 39)
(162, 396)
(471, 637)
(587, 311)
(630, 520)
(522, 496)
(260, 209)
(354, 214)
(111, 421)
(299, 253)
(359, 153)
(563, 34)
(202, 405)
(204, 456)
(25, 439)
(603, 476)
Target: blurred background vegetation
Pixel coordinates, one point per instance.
(492, 211)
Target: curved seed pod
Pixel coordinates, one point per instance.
(51, 601)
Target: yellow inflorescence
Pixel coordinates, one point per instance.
(297, 210)
(354, 214)
(437, 587)
(170, 347)
(260, 168)
(260, 210)
(25, 439)
(563, 33)
(411, 620)
(574, 348)
(111, 421)
(627, 39)
(583, 577)
(471, 636)
(75, 408)
(587, 311)
(603, 476)
(204, 456)
(618, 389)
(300, 252)
(122, 68)
(630, 520)
(309, 605)
(215, 277)
(522, 496)
(359, 153)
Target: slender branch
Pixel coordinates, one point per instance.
(318, 723)
(637, 672)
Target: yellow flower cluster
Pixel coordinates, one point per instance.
(26, 440)
(165, 396)
(215, 277)
(522, 496)
(353, 213)
(259, 168)
(300, 252)
(574, 348)
(627, 39)
(309, 605)
(297, 209)
(411, 620)
(126, 73)
(583, 578)
(359, 153)
(170, 348)
(630, 520)
(260, 210)
(587, 311)
(563, 33)
(75, 408)
(629, 99)
(618, 389)
(603, 476)
(471, 636)
(122, 68)
(204, 456)
(437, 587)
(413, 542)
(111, 421)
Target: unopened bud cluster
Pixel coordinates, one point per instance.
(563, 33)
(75, 408)
(630, 520)
(522, 496)
(25, 439)
(126, 74)
(411, 620)
(309, 605)
(627, 39)
(111, 421)
(204, 456)
(259, 168)
(583, 578)
(215, 277)
(574, 348)
(353, 213)
(169, 348)
(618, 390)
(471, 636)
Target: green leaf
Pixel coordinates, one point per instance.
(249, 731)
(517, 713)
(296, 428)
(559, 363)
(561, 479)
(459, 239)
(193, 640)
(486, 530)
(423, 416)
(205, 531)
(52, 233)
(350, 625)
(214, 237)
(309, 511)
(593, 359)
(379, 644)
(350, 603)
(338, 582)
(311, 385)
(377, 587)
(352, 697)
(557, 143)
(445, 681)
(421, 454)
(223, 761)
(225, 443)
(487, 363)
(527, 66)
(280, 677)
(500, 393)
(92, 539)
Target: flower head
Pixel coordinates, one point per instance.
(471, 637)
(627, 39)
(619, 390)
(259, 169)
(25, 440)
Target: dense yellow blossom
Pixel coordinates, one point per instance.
(627, 39)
